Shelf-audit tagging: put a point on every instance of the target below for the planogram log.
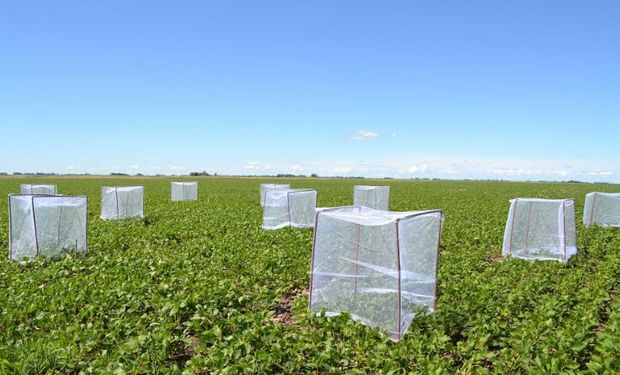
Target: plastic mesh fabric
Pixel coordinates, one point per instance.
(379, 266)
(22, 236)
(602, 209)
(264, 188)
(37, 189)
(293, 207)
(184, 191)
(542, 229)
(47, 225)
(377, 197)
(122, 202)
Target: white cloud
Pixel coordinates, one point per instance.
(601, 173)
(341, 170)
(417, 168)
(413, 165)
(442, 166)
(163, 168)
(257, 166)
(365, 135)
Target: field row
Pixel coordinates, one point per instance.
(199, 286)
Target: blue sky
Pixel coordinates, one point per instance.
(454, 89)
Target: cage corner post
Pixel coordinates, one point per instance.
(512, 224)
(10, 230)
(288, 208)
(34, 223)
(594, 196)
(316, 225)
(398, 283)
(437, 256)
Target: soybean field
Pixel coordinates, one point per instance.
(199, 287)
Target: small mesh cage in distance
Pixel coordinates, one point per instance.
(264, 188)
(184, 191)
(294, 207)
(602, 209)
(379, 266)
(376, 197)
(122, 202)
(46, 225)
(541, 229)
(37, 189)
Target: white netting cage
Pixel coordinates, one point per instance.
(380, 266)
(542, 229)
(184, 191)
(377, 197)
(293, 207)
(602, 209)
(122, 202)
(264, 188)
(37, 189)
(46, 225)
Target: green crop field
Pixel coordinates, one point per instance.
(200, 287)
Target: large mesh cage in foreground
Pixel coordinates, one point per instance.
(377, 197)
(293, 207)
(542, 229)
(46, 225)
(264, 188)
(184, 191)
(602, 209)
(37, 189)
(380, 266)
(122, 202)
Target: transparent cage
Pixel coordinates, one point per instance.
(184, 191)
(292, 207)
(122, 202)
(380, 266)
(542, 229)
(46, 225)
(602, 209)
(264, 188)
(37, 189)
(377, 197)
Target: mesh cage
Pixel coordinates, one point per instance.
(37, 189)
(380, 266)
(184, 191)
(264, 188)
(377, 197)
(46, 225)
(602, 209)
(542, 229)
(122, 202)
(294, 207)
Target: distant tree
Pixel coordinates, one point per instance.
(314, 175)
(203, 173)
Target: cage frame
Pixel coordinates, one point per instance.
(396, 223)
(34, 221)
(184, 183)
(563, 258)
(116, 199)
(263, 194)
(288, 205)
(374, 188)
(31, 193)
(590, 215)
